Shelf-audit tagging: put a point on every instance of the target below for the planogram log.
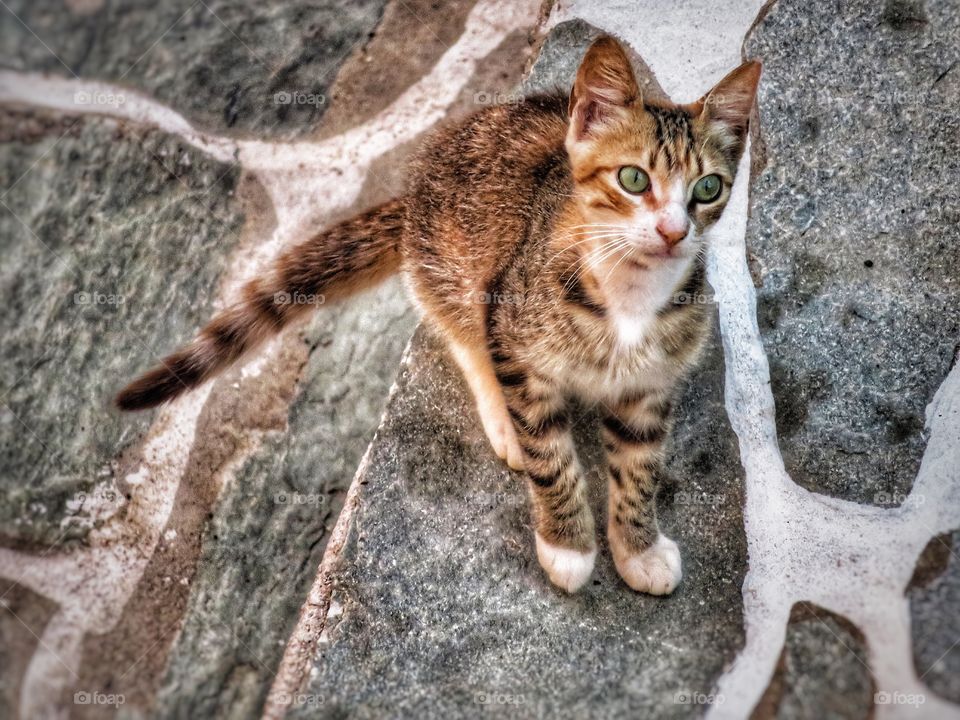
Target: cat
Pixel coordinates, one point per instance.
(551, 243)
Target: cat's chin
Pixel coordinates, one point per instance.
(652, 263)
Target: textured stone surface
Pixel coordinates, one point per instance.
(440, 608)
(559, 57)
(264, 68)
(269, 530)
(853, 229)
(442, 599)
(104, 228)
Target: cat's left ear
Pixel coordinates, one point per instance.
(730, 102)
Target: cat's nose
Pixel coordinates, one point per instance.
(672, 230)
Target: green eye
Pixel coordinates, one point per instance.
(633, 179)
(707, 188)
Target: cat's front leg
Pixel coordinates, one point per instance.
(634, 432)
(565, 532)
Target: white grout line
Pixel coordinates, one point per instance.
(307, 182)
(89, 97)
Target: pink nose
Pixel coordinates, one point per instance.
(672, 230)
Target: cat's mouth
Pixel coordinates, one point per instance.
(647, 259)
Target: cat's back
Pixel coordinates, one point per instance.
(490, 162)
(477, 189)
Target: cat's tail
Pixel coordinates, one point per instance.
(349, 257)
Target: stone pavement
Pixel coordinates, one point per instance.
(155, 154)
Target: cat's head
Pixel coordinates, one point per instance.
(650, 178)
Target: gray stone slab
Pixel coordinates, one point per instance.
(261, 68)
(934, 619)
(443, 611)
(823, 671)
(559, 57)
(853, 229)
(113, 238)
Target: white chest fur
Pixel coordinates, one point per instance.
(633, 298)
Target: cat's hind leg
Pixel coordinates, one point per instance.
(477, 368)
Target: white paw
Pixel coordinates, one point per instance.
(656, 570)
(498, 426)
(567, 569)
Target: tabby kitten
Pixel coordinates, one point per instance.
(547, 242)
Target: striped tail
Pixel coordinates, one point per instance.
(349, 257)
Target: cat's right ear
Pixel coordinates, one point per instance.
(605, 85)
